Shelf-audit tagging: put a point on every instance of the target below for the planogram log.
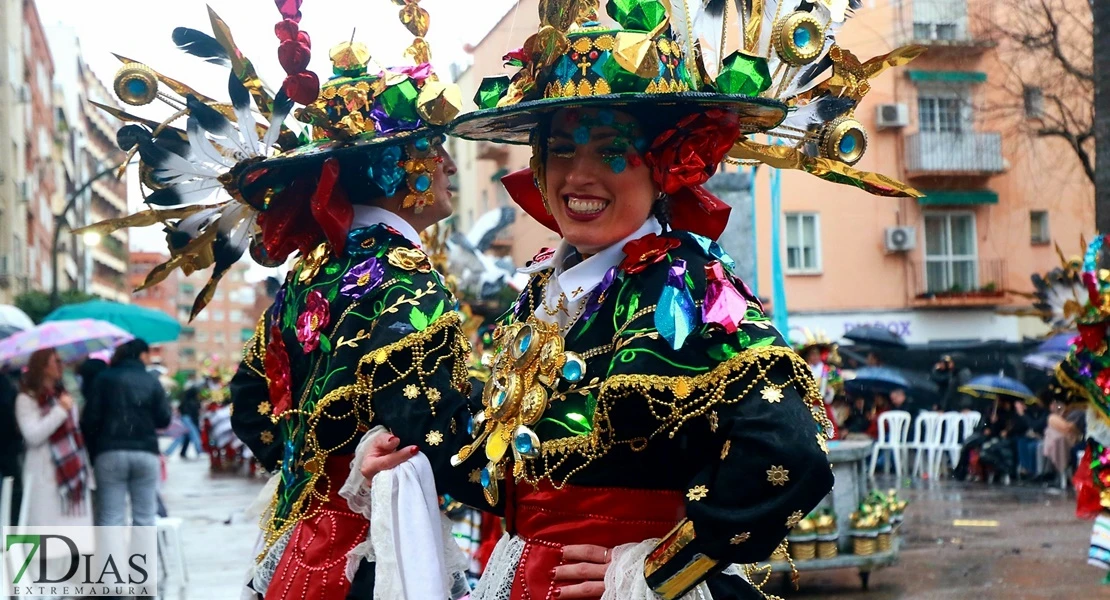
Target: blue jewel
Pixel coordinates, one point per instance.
(565, 69)
(422, 183)
(422, 144)
(599, 65)
(848, 144)
(591, 24)
(523, 443)
(137, 87)
(572, 371)
(582, 135)
(618, 165)
(498, 399)
(802, 37)
(525, 343)
(485, 478)
(470, 427)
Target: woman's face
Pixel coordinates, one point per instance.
(53, 370)
(442, 187)
(598, 188)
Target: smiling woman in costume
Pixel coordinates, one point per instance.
(644, 426)
(362, 344)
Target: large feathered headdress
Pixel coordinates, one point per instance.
(223, 177)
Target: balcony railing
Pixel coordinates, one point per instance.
(959, 282)
(947, 26)
(954, 153)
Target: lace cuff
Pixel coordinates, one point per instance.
(624, 579)
(497, 579)
(356, 490)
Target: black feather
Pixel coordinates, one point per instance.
(176, 238)
(240, 97)
(130, 136)
(715, 7)
(855, 4)
(201, 45)
(209, 118)
(166, 196)
(153, 155)
(811, 72)
(174, 140)
(832, 108)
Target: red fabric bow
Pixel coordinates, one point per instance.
(276, 365)
(646, 251)
(689, 154)
(331, 208)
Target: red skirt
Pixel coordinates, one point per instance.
(548, 519)
(314, 563)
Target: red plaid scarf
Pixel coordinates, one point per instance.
(67, 448)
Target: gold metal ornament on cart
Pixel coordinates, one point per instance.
(532, 362)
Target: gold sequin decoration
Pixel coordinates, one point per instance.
(264, 408)
(795, 518)
(725, 449)
(740, 538)
(410, 259)
(434, 438)
(697, 493)
(778, 475)
(411, 391)
(266, 437)
(772, 395)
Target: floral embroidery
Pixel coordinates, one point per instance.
(411, 391)
(697, 493)
(362, 278)
(433, 395)
(771, 395)
(795, 518)
(312, 262)
(315, 317)
(410, 259)
(434, 438)
(475, 476)
(264, 408)
(266, 437)
(646, 251)
(740, 538)
(278, 378)
(778, 475)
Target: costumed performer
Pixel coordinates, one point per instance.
(644, 426)
(363, 333)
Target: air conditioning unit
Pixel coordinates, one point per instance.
(900, 239)
(892, 115)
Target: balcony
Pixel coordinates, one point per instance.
(946, 28)
(958, 283)
(970, 154)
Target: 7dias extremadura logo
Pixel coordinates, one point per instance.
(80, 561)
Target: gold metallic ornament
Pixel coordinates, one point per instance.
(136, 84)
(843, 139)
(636, 53)
(798, 38)
(416, 19)
(785, 157)
(439, 103)
(409, 259)
(420, 52)
(850, 78)
(349, 56)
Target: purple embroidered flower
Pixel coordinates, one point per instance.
(362, 278)
(387, 124)
(279, 304)
(597, 298)
(316, 316)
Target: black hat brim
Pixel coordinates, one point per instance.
(514, 124)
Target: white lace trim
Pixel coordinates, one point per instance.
(264, 571)
(356, 490)
(624, 579)
(497, 579)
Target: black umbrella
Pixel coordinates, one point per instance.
(879, 337)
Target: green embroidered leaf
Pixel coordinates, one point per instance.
(763, 342)
(634, 303)
(743, 337)
(689, 281)
(722, 352)
(332, 293)
(591, 403)
(331, 269)
(325, 343)
(404, 278)
(438, 313)
(581, 421)
(418, 319)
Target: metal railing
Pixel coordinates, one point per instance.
(959, 281)
(970, 153)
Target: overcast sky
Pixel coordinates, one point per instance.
(141, 30)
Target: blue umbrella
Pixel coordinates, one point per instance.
(994, 386)
(1058, 343)
(1044, 361)
(144, 323)
(876, 380)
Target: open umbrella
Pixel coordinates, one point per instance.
(72, 340)
(14, 317)
(1060, 342)
(995, 386)
(878, 337)
(8, 330)
(876, 380)
(1044, 361)
(144, 323)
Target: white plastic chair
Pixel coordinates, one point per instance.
(169, 535)
(971, 420)
(894, 431)
(952, 434)
(925, 440)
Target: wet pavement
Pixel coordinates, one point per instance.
(1037, 550)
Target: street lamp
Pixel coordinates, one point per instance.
(91, 238)
(59, 221)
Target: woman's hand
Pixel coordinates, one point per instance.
(383, 455)
(586, 565)
(65, 401)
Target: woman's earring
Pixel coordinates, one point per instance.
(420, 166)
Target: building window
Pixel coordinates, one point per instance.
(217, 315)
(951, 262)
(939, 114)
(202, 336)
(803, 243)
(1038, 227)
(1033, 98)
(237, 316)
(219, 337)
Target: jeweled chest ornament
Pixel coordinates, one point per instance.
(531, 360)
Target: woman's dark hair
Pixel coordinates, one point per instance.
(130, 351)
(88, 372)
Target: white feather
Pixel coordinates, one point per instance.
(202, 146)
(708, 31)
(273, 132)
(247, 130)
(682, 15)
(175, 165)
(194, 223)
(197, 190)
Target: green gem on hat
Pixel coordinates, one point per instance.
(621, 81)
(640, 15)
(399, 101)
(490, 91)
(744, 74)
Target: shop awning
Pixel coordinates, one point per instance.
(958, 198)
(947, 76)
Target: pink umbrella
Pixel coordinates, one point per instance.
(72, 339)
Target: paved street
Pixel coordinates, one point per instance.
(1036, 551)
